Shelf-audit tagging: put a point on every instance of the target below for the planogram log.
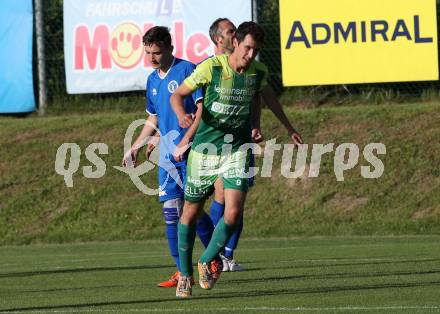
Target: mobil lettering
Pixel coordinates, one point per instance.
(101, 47)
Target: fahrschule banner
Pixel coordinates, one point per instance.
(362, 41)
(103, 38)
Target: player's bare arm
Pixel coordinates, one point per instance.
(256, 133)
(176, 100)
(271, 100)
(153, 142)
(130, 157)
(183, 146)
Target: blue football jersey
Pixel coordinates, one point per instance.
(159, 90)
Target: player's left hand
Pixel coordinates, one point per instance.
(256, 135)
(180, 151)
(296, 138)
(130, 158)
(186, 121)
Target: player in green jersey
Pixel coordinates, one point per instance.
(232, 83)
(221, 32)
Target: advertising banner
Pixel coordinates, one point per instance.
(362, 41)
(103, 38)
(16, 80)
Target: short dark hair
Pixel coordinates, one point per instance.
(213, 29)
(159, 35)
(250, 28)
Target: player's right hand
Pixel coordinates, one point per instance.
(130, 158)
(256, 135)
(186, 121)
(154, 141)
(296, 138)
(181, 149)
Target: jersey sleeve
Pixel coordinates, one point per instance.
(201, 76)
(151, 109)
(197, 95)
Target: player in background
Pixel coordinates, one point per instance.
(169, 72)
(231, 82)
(221, 32)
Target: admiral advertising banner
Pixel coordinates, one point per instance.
(362, 41)
(16, 79)
(103, 38)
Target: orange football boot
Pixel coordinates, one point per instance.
(172, 282)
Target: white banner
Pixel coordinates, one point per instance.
(103, 38)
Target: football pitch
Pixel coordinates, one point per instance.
(301, 275)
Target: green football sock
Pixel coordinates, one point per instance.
(220, 236)
(187, 236)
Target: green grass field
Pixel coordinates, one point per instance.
(310, 275)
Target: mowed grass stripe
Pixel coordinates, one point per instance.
(258, 309)
(58, 260)
(37, 266)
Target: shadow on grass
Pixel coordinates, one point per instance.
(233, 295)
(81, 288)
(322, 265)
(79, 270)
(336, 276)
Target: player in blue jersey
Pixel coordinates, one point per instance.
(169, 72)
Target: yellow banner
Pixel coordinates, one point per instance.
(358, 41)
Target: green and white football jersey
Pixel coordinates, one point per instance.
(227, 101)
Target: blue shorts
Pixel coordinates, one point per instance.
(172, 182)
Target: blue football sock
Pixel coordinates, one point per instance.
(216, 211)
(204, 229)
(233, 240)
(171, 231)
(171, 219)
